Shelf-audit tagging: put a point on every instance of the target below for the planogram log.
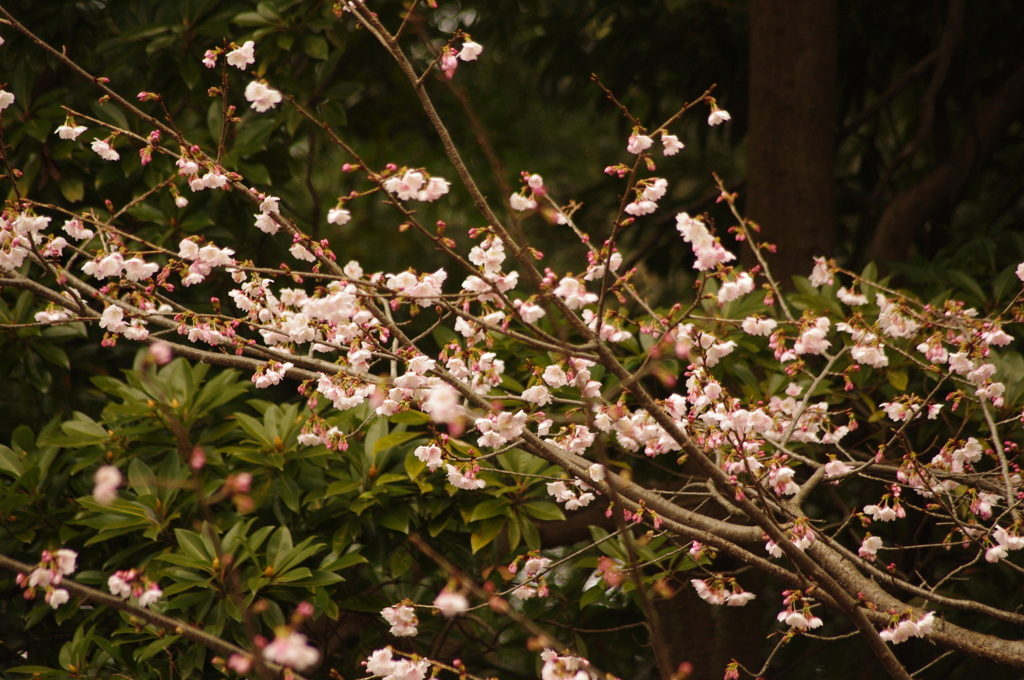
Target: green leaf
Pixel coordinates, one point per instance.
(52, 353)
(182, 561)
(592, 595)
(254, 429)
(334, 114)
(154, 648)
(377, 428)
(318, 579)
(392, 440)
(488, 531)
(279, 546)
(315, 46)
(192, 545)
(410, 418)
(399, 563)
(395, 518)
(530, 533)
(83, 433)
(898, 379)
(515, 535)
(251, 19)
(11, 462)
(141, 478)
(289, 492)
(967, 283)
(343, 562)
(413, 465)
(545, 510)
(341, 487)
(489, 508)
(438, 524)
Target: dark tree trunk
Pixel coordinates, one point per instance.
(791, 140)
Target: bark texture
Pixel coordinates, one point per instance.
(791, 140)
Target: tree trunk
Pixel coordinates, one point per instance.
(791, 138)
(939, 191)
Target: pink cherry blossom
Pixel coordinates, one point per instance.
(70, 131)
(470, 51)
(869, 547)
(522, 203)
(637, 143)
(431, 455)
(718, 116)
(402, 618)
(262, 96)
(104, 150)
(821, 275)
(338, 216)
(75, 229)
(291, 649)
(56, 598)
(242, 56)
(574, 293)
(451, 603)
(113, 319)
(671, 145)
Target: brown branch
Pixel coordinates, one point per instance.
(650, 613)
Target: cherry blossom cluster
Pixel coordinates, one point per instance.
(382, 664)
(402, 618)
(721, 590)
(609, 570)
(706, 248)
(531, 577)
(908, 626)
(416, 185)
(450, 58)
(489, 256)
(639, 142)
(574, 494)
(133, 583)
(648, 193)
(564, 667)
(797, 614)
(526, 198)
(19, 232)
(52, 569)
(800, 535)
